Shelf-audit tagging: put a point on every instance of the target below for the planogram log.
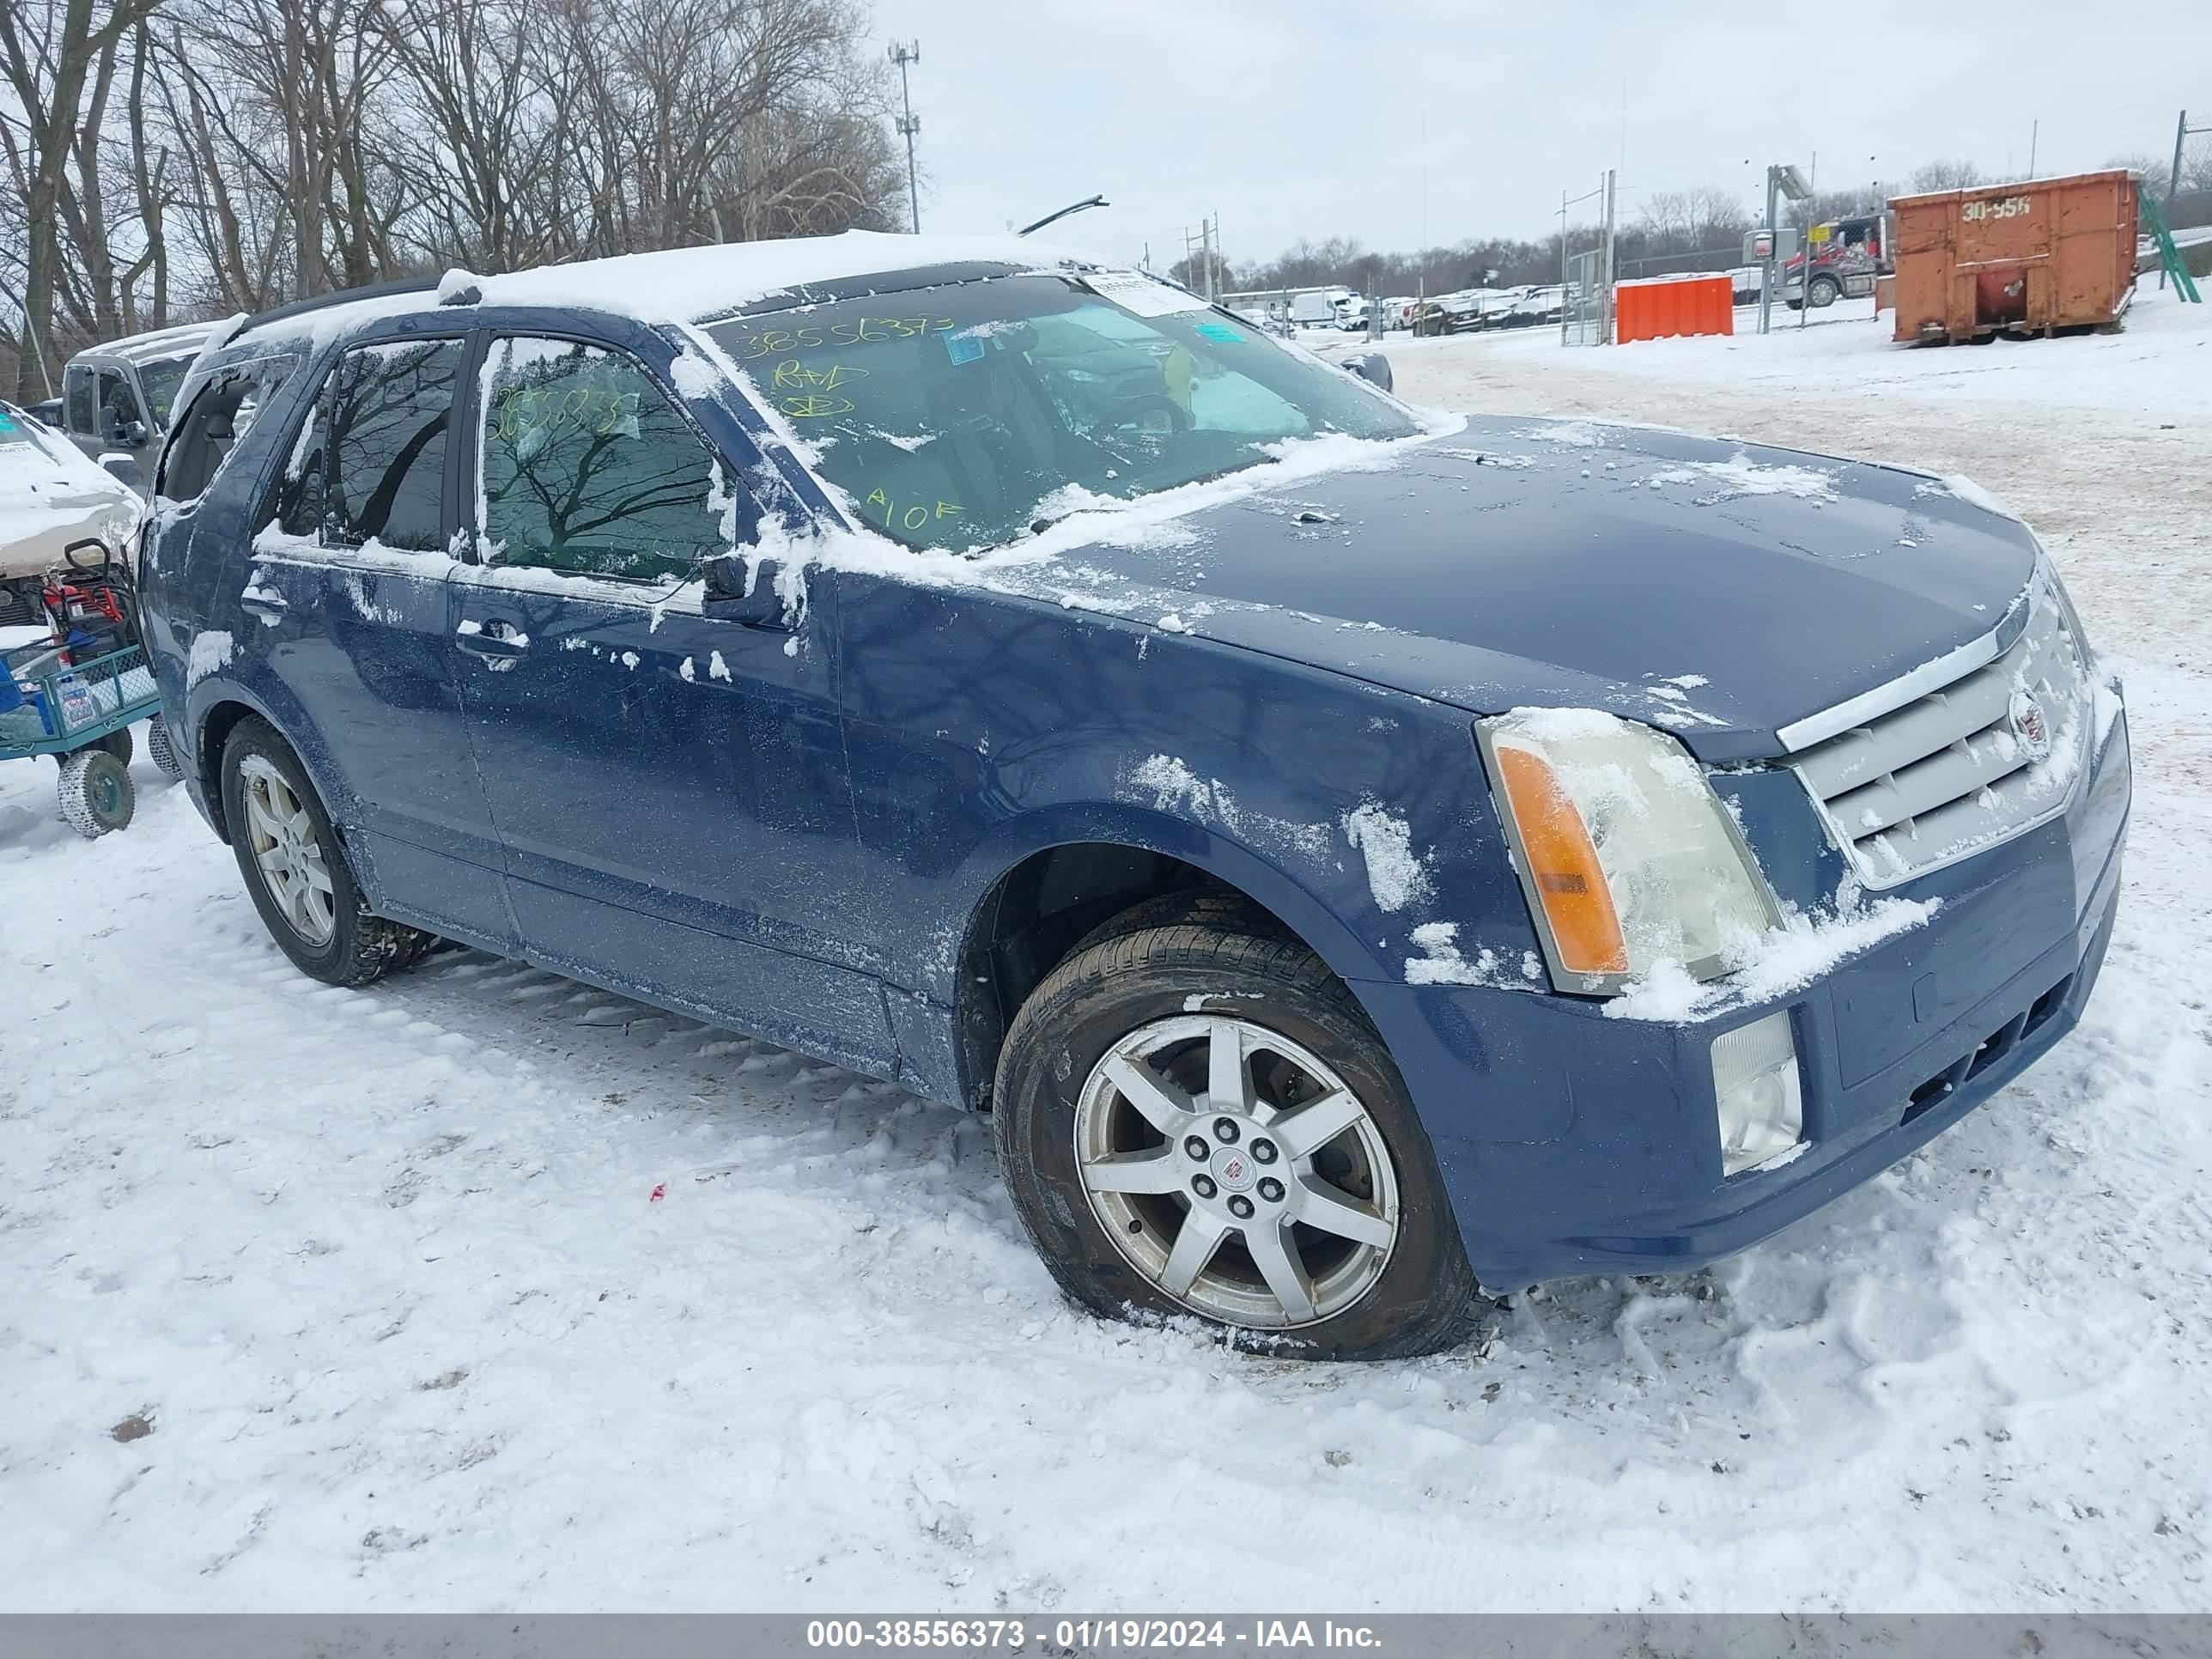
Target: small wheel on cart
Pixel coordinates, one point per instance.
(161, 751)
(118, 743)
(95, 792)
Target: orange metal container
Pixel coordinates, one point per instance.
(2030, 258)
(1653, 309)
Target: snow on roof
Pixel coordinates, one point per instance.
(683, 285)
(177, 341)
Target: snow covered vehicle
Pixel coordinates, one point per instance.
(1350, 856)
(51, 498)
(116, 396)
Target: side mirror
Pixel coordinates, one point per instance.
(743, 593)
(1371, 366)
(121, 467)
(135, 434)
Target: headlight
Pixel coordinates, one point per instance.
(2047, 574)
(1628, 859)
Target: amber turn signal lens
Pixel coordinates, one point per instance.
(1585, 931)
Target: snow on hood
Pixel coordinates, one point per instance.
(51, 493)
(1717, 589)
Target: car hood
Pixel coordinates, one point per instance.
(1715, 588)
(51, 495)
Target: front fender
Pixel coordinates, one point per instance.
(1301, 893)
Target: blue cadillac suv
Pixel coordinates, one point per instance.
(1356, 856)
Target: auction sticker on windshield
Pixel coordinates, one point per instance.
(1147, 296)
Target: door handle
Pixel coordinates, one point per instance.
(492, 639)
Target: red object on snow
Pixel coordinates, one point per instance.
(1654, 307)
(659, 1193)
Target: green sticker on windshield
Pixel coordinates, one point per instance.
(1219, 331)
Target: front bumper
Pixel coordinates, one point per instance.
(1575, 1143)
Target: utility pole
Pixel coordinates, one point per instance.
(2182, 131)
(1607, 275)
(903, 52)
(2034, 135)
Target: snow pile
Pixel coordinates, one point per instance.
(1786, 959)
(1740, 475)
(211, 652)
(1440, 962)
(1394, 873)
(1172, 787)
(1966, 489)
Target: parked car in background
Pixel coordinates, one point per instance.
(1537, 304)
(1343, 865)
(1321, 308)
(115, 397)
(52, 498)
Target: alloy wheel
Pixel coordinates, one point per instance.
(281, 838)
(1237, 1171)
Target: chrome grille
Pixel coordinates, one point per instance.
(1915, 775)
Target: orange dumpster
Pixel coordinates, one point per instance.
(2025, 258)
(1651, 308)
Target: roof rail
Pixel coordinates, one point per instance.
(344, 296)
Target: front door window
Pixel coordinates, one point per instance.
(588, 468)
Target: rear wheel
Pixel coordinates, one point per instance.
(296, 869)
(118, 743)
(1199, 1120)
(95, 792)
(161, 751)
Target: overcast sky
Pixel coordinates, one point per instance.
(1308, 119)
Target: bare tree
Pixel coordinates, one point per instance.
(59, 57)
(1947, 176)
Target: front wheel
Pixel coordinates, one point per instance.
(296, 869)
(1199, 1120)
(1823, 292)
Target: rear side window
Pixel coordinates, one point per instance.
(222, 413)
(380, 444)
(588, 468)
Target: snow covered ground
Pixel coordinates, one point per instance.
(480, 1289)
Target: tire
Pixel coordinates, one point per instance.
(297, 874)
(95, 792)
(161, 751)
(118, 743)
(1823, 292)
(1071, 1140)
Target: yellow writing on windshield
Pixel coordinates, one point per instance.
(795, 376)
(915, 515)
(850, 331)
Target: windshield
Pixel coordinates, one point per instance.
(161, 377)
(950, 415)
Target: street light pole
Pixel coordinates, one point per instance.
(903, 52)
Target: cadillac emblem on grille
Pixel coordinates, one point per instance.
(2029, 726)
